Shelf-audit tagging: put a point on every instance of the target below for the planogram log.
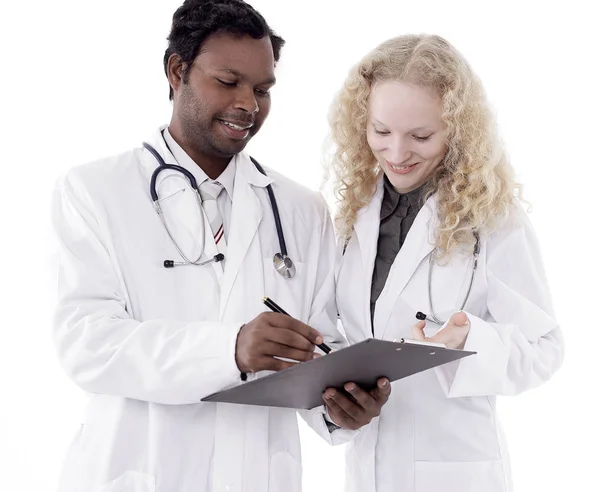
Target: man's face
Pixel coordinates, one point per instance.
(225, 99)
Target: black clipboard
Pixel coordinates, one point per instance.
(301, 386)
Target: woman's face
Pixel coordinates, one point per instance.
(405, 132)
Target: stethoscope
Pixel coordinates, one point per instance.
(433, 317)
(281, 261)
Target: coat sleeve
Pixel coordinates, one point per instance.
(519, 344)
(323, 317)
(100, 346)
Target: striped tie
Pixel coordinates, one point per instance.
(209, 191)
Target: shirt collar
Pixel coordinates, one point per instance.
(390, 201)
(415, 197)
(226, 178)
(391, 198)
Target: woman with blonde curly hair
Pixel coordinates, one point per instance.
(430, 224)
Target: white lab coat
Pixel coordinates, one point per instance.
(148, 343)
(439, 430)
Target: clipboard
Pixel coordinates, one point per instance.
(301, 386)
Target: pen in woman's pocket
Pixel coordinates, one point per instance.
(276, 309)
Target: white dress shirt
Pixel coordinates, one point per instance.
(227, 178)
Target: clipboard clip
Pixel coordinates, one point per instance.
(419, 342)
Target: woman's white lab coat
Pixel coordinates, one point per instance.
(148, 343)
(439, 430)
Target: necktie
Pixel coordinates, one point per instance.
(209, 191)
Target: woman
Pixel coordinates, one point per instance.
(426, 194)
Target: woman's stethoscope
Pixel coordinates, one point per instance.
(282, 262)
(433, 317)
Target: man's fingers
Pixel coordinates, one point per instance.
(382, 392)
(283, 321)
(306, 331)
(289, 338)
(274, 334)
(353, 410)
(362, 397)
(273, 364)
(276, 349)
(357, 410)
(337, 412)
(417, 331)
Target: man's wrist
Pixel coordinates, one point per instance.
(331, 426)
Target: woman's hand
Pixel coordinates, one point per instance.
(454, 334)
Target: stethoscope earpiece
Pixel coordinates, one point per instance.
(216, 259)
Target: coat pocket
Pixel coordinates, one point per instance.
(285, 473)
(288, 293)
(476, 476)
(130, 481)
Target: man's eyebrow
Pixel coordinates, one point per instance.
(233, 71)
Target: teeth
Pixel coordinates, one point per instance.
(235, 127)
(401, 168)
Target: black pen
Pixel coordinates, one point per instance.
(276, 309)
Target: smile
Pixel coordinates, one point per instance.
(237, 127)
(402, 169)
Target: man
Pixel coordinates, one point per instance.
(148, 342)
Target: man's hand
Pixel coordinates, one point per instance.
(454, 334)
(273, 334)
(356, 412)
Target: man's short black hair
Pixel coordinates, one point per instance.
(195, 20)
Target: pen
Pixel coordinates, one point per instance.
(276, 309)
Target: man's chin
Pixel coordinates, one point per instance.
(232, 147)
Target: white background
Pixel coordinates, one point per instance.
(82, 80)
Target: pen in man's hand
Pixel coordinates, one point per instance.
(276, 309)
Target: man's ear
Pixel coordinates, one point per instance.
(175, 71)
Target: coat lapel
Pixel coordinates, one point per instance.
(418, 245)
(246, 215)
(366, 229)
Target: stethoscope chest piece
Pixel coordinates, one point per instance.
(284, 265)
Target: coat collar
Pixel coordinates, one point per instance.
(242, 161)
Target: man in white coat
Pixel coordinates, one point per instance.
(146, 342)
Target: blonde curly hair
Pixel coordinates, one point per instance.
(474, 183)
